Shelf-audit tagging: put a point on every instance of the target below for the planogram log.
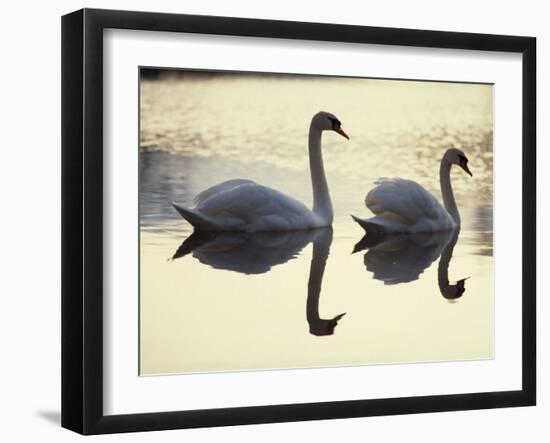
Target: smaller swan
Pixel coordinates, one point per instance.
(405, 206)
(244, 205)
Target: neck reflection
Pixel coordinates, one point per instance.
(321, 249)
(450, 292)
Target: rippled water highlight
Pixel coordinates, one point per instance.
(205, 311)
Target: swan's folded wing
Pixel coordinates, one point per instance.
(251, 201)
(216, 189)
(403, 199)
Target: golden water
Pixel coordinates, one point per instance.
(242, 302)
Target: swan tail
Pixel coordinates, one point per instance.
(199, 221)
(369, 226)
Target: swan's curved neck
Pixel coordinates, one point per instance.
(322, 205)
(447, 190)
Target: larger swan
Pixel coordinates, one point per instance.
(405, 206)
(244, 205)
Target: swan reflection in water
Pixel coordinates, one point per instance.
(258, 252)
(401, 258)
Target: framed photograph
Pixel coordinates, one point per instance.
(269, 221)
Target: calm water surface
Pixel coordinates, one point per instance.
(316, 298)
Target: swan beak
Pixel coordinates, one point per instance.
(466, 168)
(341, 132)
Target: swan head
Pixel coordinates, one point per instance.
(457, 157)
(325, 121)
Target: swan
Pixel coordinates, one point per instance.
(244, 205)
(405, 206)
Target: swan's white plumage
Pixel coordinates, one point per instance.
(404, 206)
(244, 205)
(226, 185)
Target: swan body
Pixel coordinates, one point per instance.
(404, 206)
(244, 205)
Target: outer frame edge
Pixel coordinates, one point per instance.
(72, 317)
(529, 219)
(81, 316)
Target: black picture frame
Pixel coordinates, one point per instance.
(82, 220)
